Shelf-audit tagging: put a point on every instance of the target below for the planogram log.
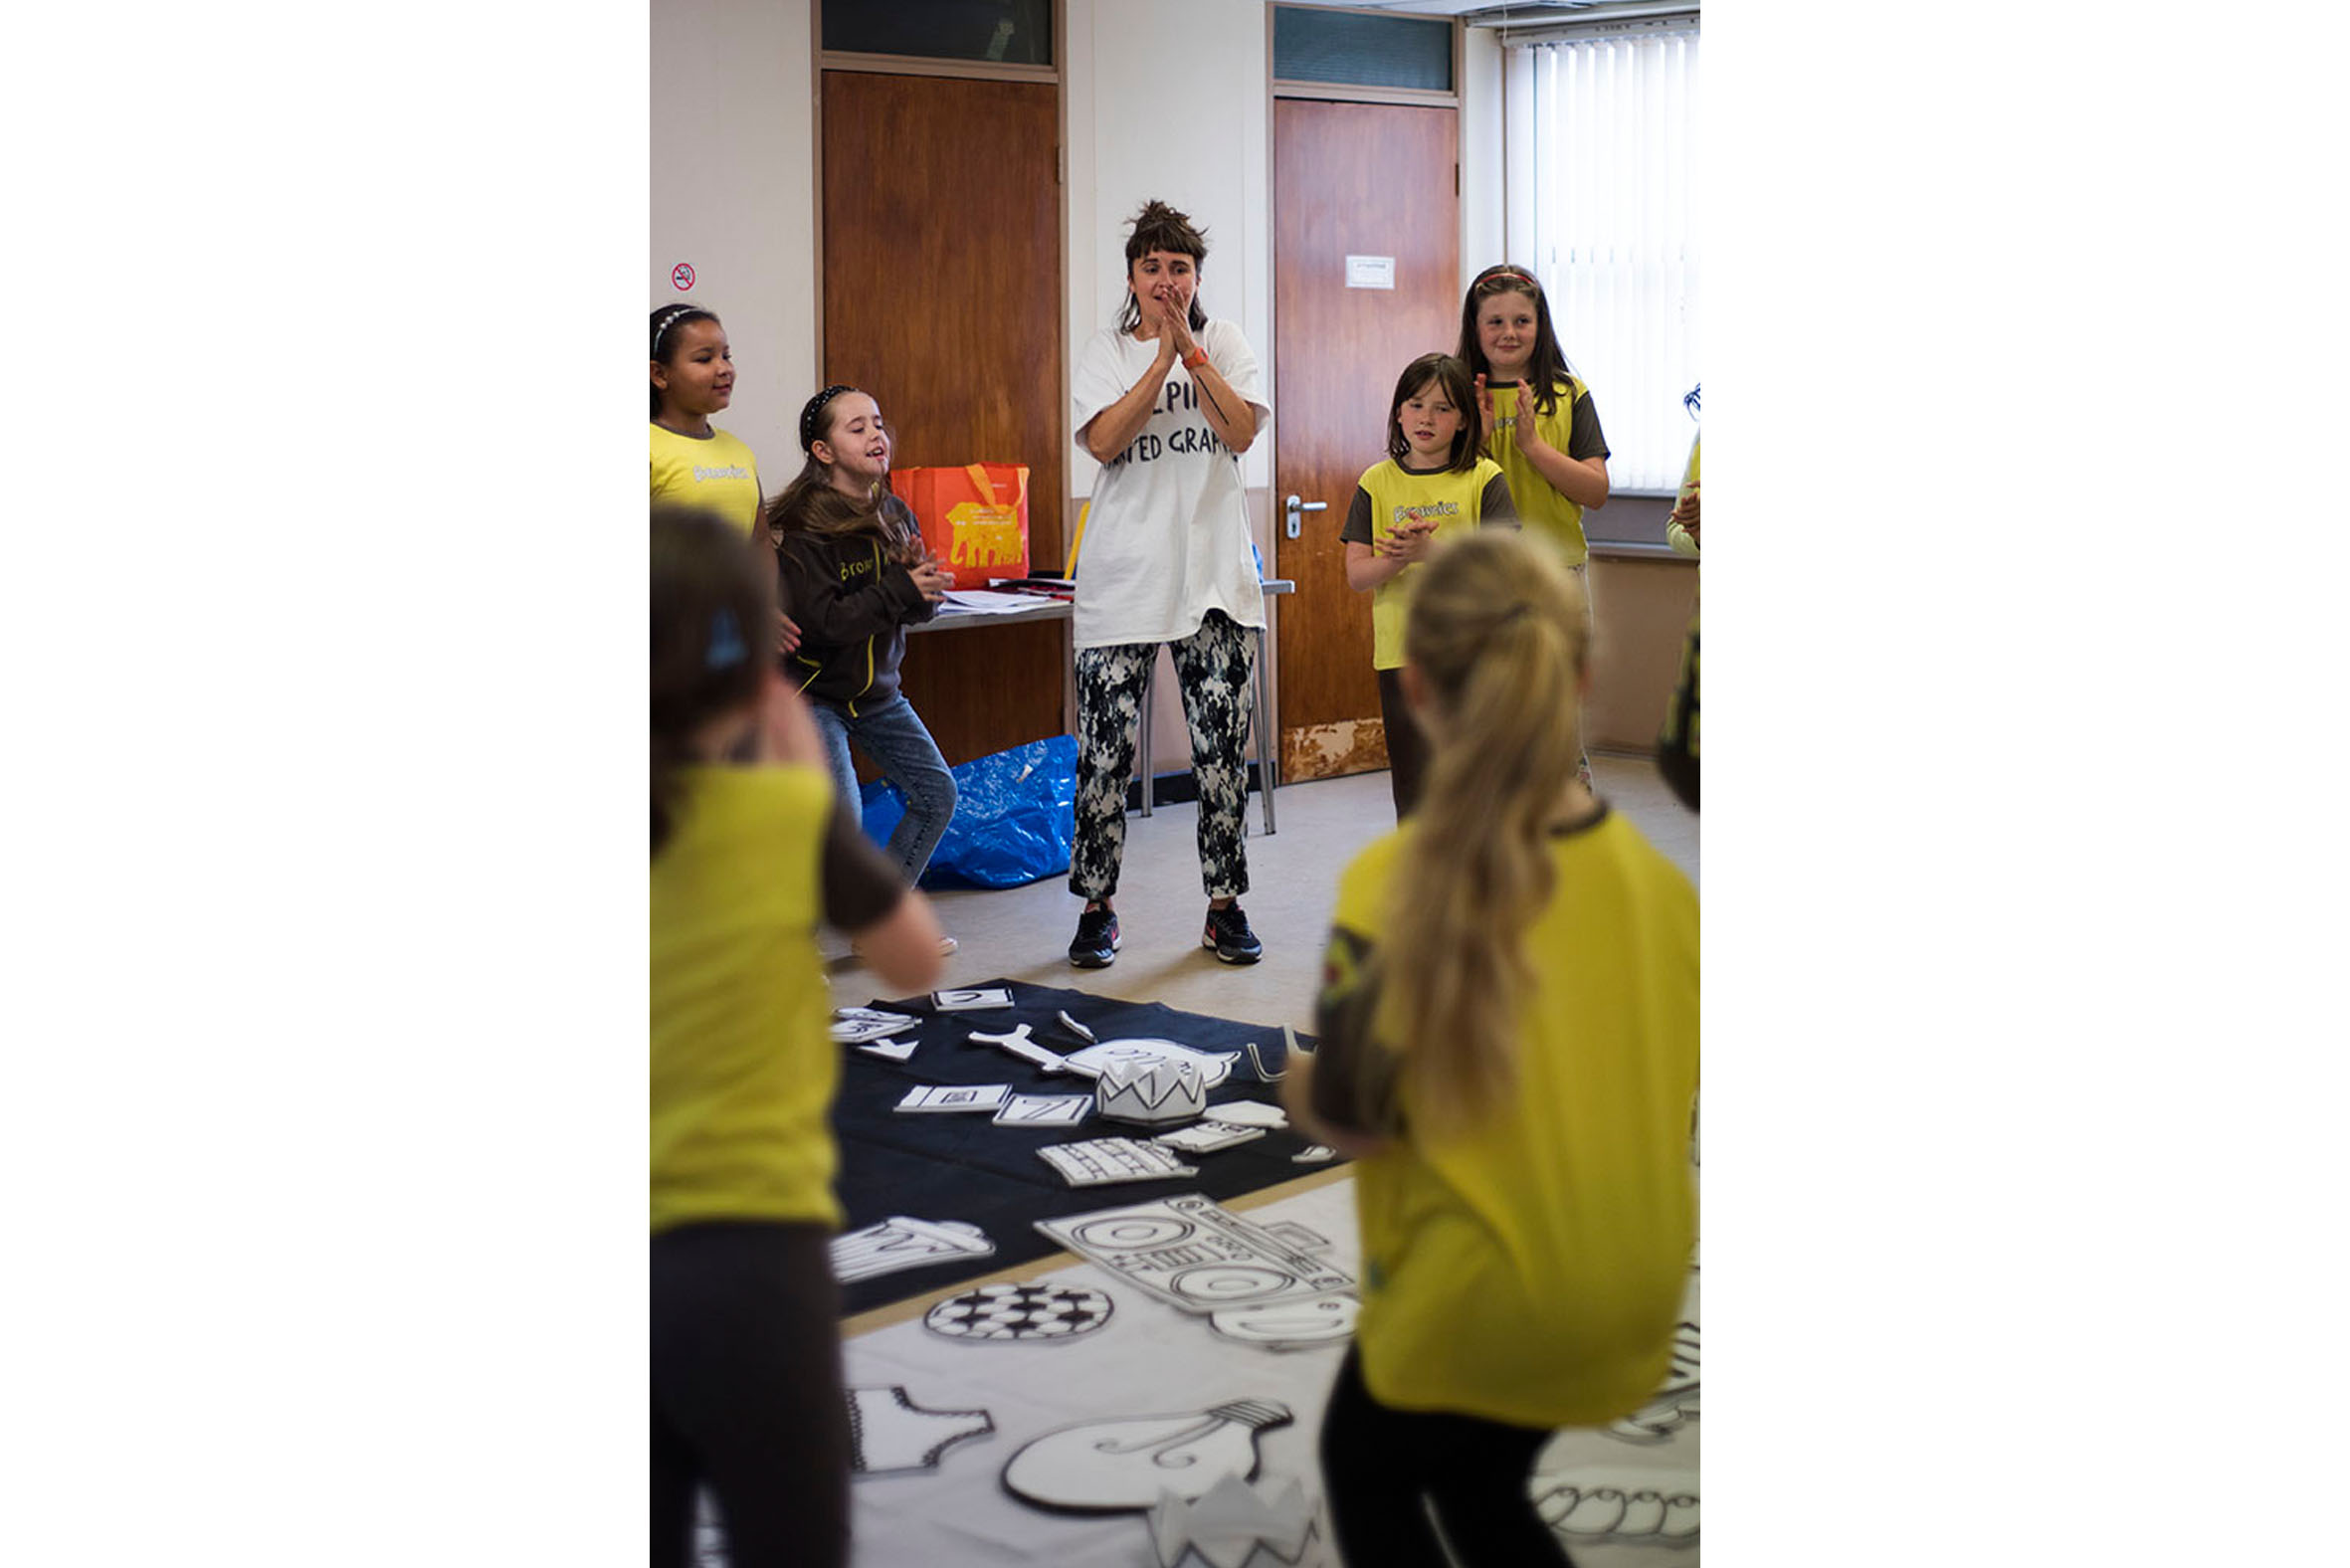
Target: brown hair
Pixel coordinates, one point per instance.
(810, 504)
(1451, 377)
(1549, 366)
(713, 637)
(1160, 227)
(1498, 633)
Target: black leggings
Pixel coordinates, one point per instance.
(747, 1397)
(1379, 1464)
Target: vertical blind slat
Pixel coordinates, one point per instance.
(1614, 126)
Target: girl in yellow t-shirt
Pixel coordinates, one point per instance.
(1432, 486)
(695, 462)
(1536, 417)
(1509, 1048)
(749, 851)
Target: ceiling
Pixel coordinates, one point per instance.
(1497, 12)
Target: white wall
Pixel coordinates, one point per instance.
(1482, 207)
(1169, 102)
(734, 128)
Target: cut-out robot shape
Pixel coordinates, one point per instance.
(1105, 1465)
(1150, 1092)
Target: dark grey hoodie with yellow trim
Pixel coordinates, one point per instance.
(853, 604)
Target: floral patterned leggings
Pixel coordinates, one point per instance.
(1214, 668)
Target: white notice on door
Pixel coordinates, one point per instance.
(1370, 272)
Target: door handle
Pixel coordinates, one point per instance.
(1295, 506)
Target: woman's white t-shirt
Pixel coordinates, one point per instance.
(1167, 532)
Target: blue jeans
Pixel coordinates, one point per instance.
(892, 735)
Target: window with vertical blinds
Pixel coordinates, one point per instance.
(1600, 146)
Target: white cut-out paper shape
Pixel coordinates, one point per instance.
(1109, 1465)
(1214, 1066)
(1206, 1137)
(903, 1243)
(1192, 1252)
(1230, 1521)
(1099, 1162)
(853, 1026)
(1672, 1406)
(1044, 1110)
(890, 1434)
(1027, 1313)
(1286, 1325)
(955, 1097)
(1076, 1028)
(1154, 1091)
(1313, 1154)
(1248, 1113)
(970, 1000)
(892, 1049)
(1627, 1506)
(1021, 1046)
(1304, 1238)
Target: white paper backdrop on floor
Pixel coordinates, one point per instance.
(1151, 1359)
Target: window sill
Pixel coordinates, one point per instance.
(1631, 550)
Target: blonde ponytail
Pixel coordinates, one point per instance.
(1498, 634)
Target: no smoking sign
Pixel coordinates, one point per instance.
(683, 275)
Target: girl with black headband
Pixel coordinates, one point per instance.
(695, 462)
(857, 576)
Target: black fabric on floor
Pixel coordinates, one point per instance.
(964, 1166)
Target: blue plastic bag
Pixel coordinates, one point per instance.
(1015, 812)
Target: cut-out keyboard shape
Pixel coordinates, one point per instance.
(1110, 1465)
(1102, 1162)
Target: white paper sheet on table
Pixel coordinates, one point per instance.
(986, 601)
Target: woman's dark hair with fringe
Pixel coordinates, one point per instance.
(810, 504)
(666, 323)
(713, 637)
(1160, 227)
(1549, 366)
(1451, 377)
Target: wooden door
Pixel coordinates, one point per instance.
(943, 297)
(1373, 180)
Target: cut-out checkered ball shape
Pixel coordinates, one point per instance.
(1020, 1313)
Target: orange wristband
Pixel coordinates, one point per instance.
(1196, 360)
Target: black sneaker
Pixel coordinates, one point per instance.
(1228, 933)
(1097, 944)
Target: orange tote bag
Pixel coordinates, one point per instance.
(974, 517)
